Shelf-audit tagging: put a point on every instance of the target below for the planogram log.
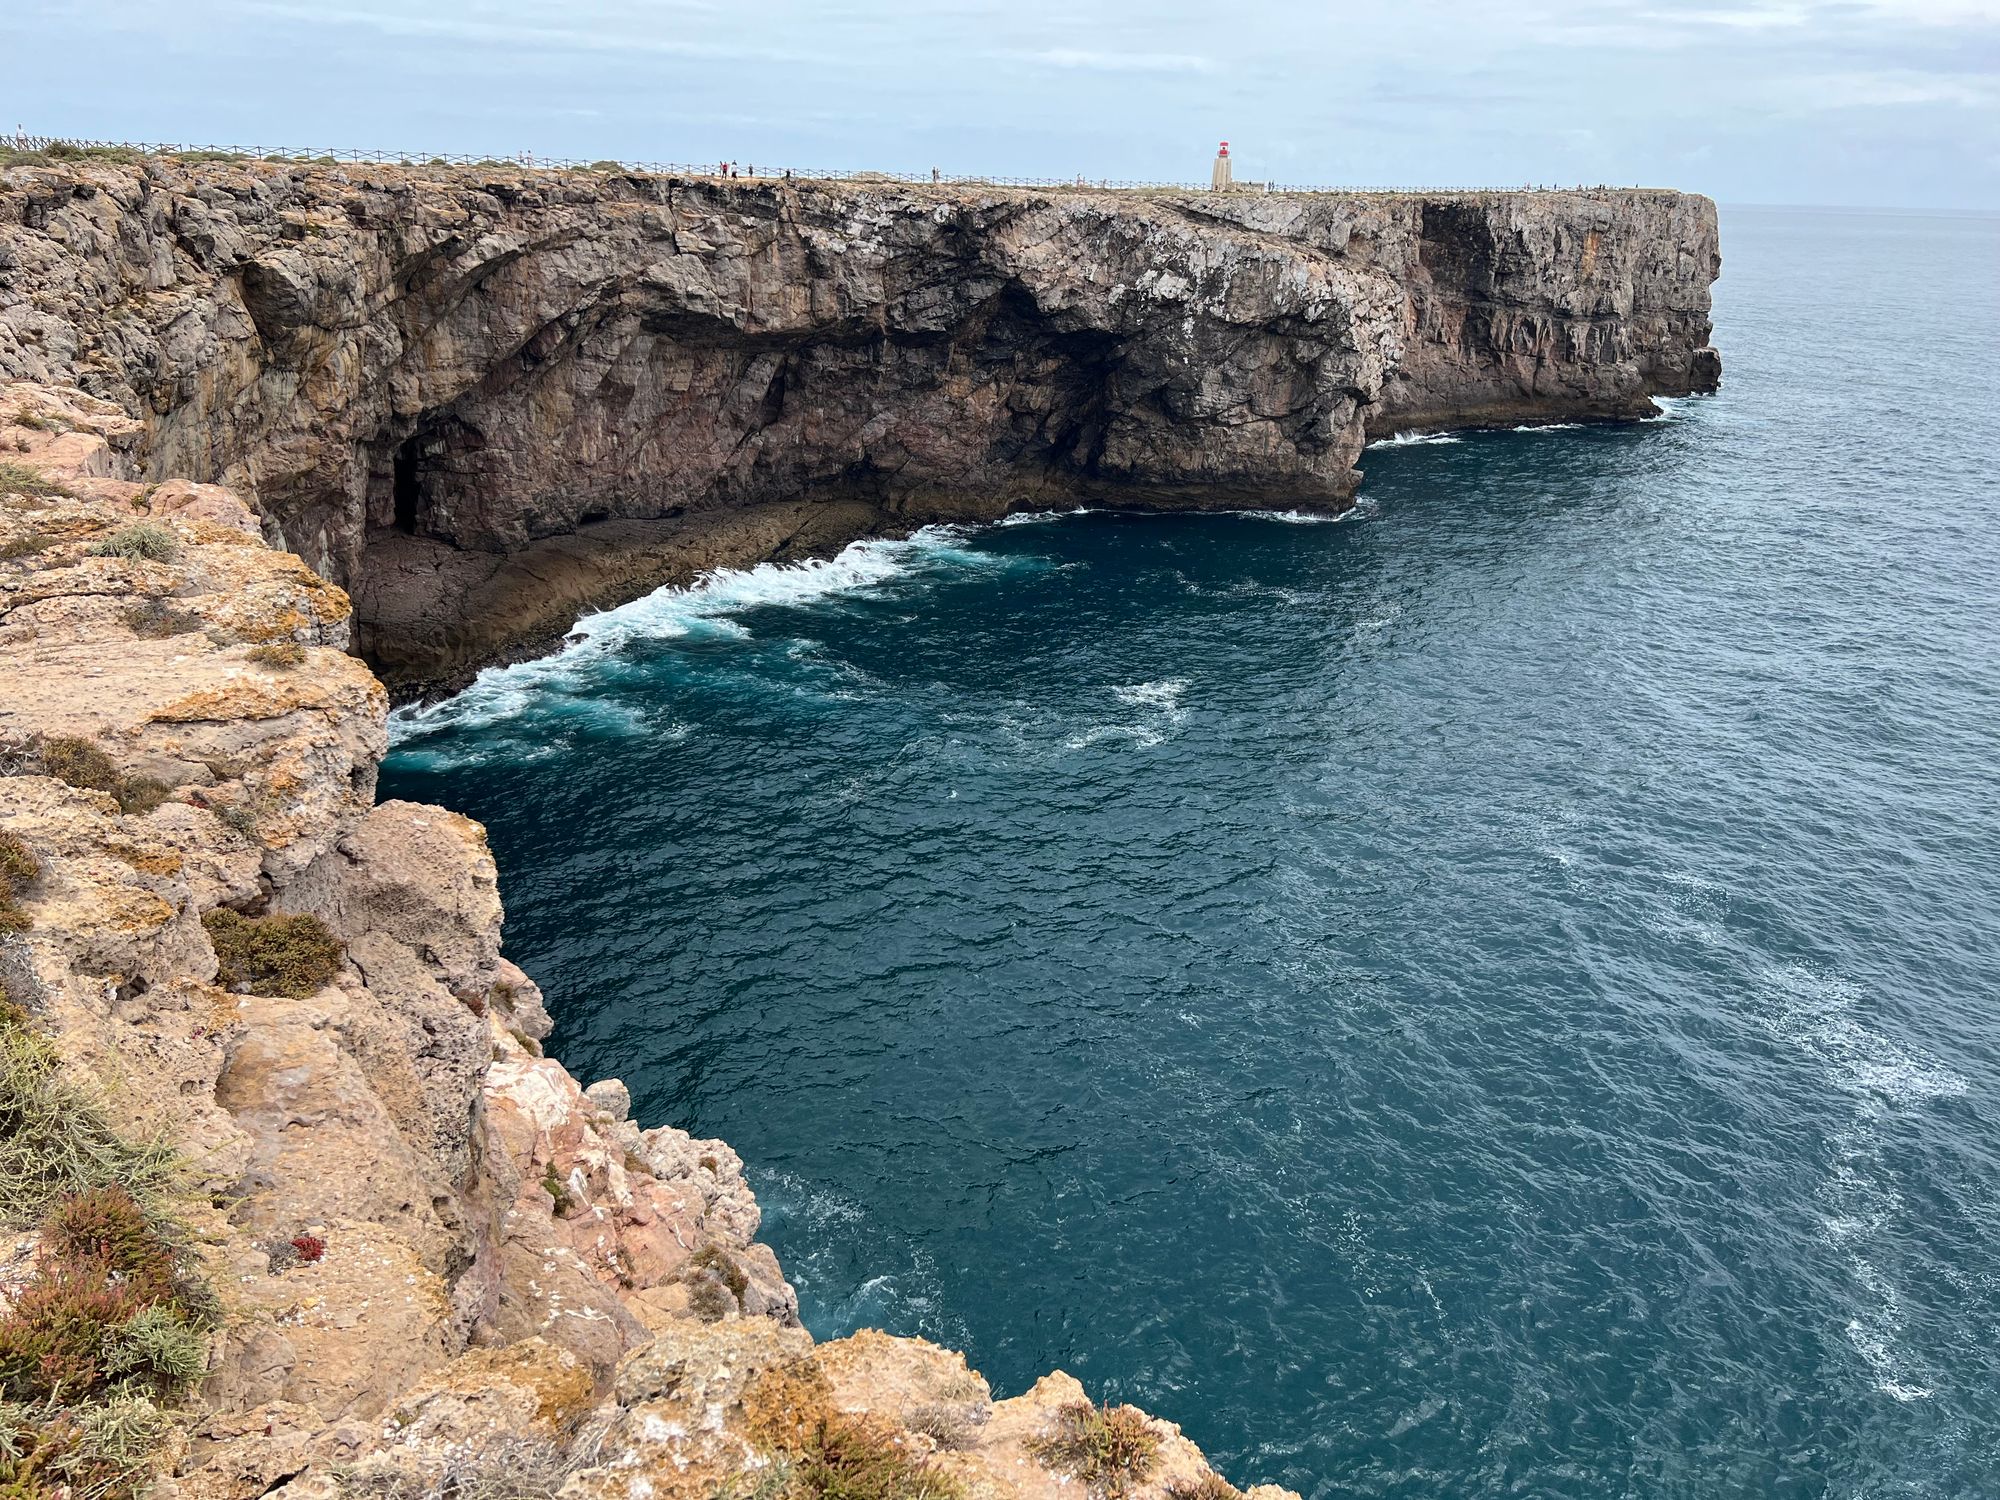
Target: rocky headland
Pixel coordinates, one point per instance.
(485, 400)
(235, 397)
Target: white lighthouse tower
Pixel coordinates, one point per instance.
(1221, 179)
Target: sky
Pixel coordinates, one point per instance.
(1890, 103)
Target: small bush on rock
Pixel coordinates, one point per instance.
(84, 765)
(19, 869)
(105, 1315)
(28, 544)
(272, 955)
(156, 620)
(1208, 1487)
(278, 654)
(1110, 1448)
(715, 1283)
(145, 542)
(556, 1188)
(80, 763)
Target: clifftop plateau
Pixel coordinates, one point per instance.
(483, 400)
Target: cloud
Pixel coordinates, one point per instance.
(1120, 62)
(1888, 90)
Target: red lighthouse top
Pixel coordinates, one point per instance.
(1225, 149)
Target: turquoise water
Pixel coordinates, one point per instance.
(1498, 995)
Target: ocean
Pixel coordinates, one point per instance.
(1497, 995)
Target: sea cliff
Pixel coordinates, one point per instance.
(483, 400)
(235, 397)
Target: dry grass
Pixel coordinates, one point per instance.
(1110, 1448)
(278, 654)
(20, 480)
(145, 542)
(55, 1140)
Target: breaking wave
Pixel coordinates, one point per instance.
(1416, 439)
(704, 608)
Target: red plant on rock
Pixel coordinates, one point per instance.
(310, 1247)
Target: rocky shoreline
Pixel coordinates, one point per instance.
(237, 399)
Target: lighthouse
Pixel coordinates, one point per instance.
(1221, 179)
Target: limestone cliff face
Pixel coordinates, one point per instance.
(482, 400)
(522, 1291)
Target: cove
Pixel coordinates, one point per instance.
(1488, 996)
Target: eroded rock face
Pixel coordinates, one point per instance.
(484, 399)
(446, 1266)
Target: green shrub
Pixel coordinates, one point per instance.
(155, 619)
(97, 1452)
(272, 955)
(144, 541)
(278, 654)
(19, 869)
(64, 151)
(1110, 1449)
(556, 1188)
(1209, 1487)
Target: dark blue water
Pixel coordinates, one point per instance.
(1496, 996)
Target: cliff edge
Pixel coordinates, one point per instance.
(483, 400)
(421, 1259)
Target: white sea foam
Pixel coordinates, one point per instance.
(1815, 1013)
(1165, 693)
(1161, 701)
(1041, 517)
(702, 609)
(1294, 517)
(1416, 439)
(1670, 407)
(1548, 427)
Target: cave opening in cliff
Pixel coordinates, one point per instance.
(408, 487)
